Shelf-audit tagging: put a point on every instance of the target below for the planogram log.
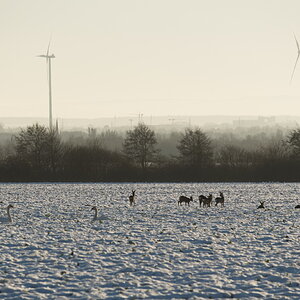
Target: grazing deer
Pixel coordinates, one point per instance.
(132, 198)
(220, 199)
(207, 201)
(261, 204)
(185, 199)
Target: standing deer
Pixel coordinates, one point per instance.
(185, 199)
(220, 199)
(201, 199)
(207, 201)
(132, 198)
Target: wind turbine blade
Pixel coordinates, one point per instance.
(49, 46)
(295, 67)
(297, 43)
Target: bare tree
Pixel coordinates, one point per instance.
(195, 148)
(294, 142)
(139, 145)
(234, 156)
(275, 151)
(38, 147)
(55, 149)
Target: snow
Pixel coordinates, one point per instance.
(153, 250)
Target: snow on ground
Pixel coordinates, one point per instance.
(154, 250)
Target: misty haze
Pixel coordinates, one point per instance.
(149, 149)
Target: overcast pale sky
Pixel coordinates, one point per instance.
(156, 57)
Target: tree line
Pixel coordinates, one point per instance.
(40, 154)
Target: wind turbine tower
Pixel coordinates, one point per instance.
(48, 62)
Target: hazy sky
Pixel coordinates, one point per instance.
(156, 57)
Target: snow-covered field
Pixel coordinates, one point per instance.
(154, 250)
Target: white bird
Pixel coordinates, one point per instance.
(297, 57)
(96, 217)
(7, 219)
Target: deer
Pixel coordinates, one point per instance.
(261, 205)
(185, 199)
(207, 201)
(132, 198)
(220, 199)
(201, 199)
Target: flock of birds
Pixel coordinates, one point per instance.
(8, 218)
(204, 200)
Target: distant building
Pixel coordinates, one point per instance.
(260, 121)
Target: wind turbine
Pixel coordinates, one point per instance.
(296, 59)
(48, 62)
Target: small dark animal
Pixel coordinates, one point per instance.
(206, 201)
(261, 205)
(220, 199)
(297, 206)
(132, 198)
(201, 199)
(185, 199)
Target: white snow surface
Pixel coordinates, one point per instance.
(153, 250)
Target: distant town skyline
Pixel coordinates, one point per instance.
(171, 57)
(166, 122)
